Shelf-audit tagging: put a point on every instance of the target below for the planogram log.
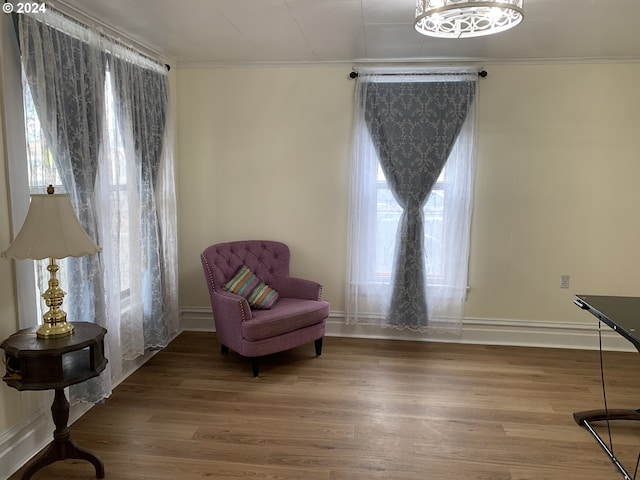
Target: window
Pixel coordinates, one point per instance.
(409, 234)
(116, 169)
(42, 171)
(387, 217)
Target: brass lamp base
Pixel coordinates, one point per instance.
(55, 330)
(55, 320)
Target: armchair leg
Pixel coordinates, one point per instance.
(224, 349)
(255, 366)
(318, 344)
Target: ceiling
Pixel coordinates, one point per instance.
(223, 32)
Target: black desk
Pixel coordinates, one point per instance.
(622, 314)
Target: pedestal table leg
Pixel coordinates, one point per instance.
(63, 446)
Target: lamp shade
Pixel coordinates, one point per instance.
(51, 230)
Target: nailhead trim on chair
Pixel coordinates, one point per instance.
(211, 282)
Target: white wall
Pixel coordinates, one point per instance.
(264, 153)
(556, 189)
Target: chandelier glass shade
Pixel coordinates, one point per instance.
(466, 18)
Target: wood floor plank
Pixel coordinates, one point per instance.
(366, 409)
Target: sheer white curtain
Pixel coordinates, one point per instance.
(98, 128)
(375, 215)
(138, 201)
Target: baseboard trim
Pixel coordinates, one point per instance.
(24, 440)
(196, 319)
(485, 331)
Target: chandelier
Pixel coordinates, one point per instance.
(466, 18)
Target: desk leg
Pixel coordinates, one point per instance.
(63, 446)
(583, 419)
(601, 415)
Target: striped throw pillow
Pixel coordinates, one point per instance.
(263, 297)
(243, 283)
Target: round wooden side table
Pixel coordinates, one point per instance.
(34, 363)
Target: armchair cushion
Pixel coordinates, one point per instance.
(289, 315)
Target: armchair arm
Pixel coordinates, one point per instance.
(300, 288)
(230, 307)
(229, 312)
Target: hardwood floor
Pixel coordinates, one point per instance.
(365, 409)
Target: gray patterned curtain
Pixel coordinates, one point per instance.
(413, 127)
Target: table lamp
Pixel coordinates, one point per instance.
(51, 230)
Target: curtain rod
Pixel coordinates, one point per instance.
(481, 73)
(95, 29)
(112, 33)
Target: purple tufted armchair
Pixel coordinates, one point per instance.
(298, 317)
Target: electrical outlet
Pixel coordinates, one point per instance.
(564, 281)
